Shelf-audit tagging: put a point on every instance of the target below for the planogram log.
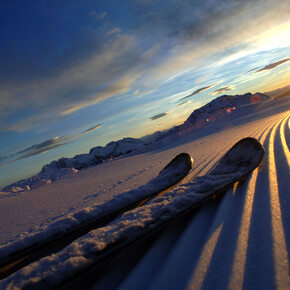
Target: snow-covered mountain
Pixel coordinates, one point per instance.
(218, 109)
(153, 137)
(67, 166)
(97, 155)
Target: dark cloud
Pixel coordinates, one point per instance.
(5, 160)
(36, 149)
(273, 65)
(222, 90)
(93, 128)
(2, 158)
(43, 147)
(158, 116)
(252, 69)
(198, 91)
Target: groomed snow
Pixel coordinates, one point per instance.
(241, 240)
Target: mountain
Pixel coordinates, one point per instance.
(153, 137)
(218, 109)
(67, 166)
(221, 107)
(97, 155)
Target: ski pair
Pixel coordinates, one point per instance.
(141, 222)
(239, 161)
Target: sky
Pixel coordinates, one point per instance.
(77, 74)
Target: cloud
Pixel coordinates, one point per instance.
(222, 90)
(253, 69)
(181, 104)
(116, 30)
(36, 149)
(92, 128)
(199, 91)
(3, 158)
(207, 33)
(98, 15)
(43, 147)
(80, 55)
(108, 72)
(158, 116)
(35, 120)
(122, 86)
(273, 65)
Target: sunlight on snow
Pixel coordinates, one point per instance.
(281, 261)
(239, 264)
(204, 260)
(283, 140)
(238, 269)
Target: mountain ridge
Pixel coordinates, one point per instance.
(217, 109)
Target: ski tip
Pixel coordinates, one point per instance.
(244, 156)
(251, 144)
(183, 161)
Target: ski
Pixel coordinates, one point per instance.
(235, 165)
(167, 178)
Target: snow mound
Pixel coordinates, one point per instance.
(38, 180)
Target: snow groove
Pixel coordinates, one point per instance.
(244, 227)
(283, 128)
(281, 259)
(239, 263)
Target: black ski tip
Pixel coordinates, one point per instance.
(183, 160)
(244, 156)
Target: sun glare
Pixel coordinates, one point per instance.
(276, 37)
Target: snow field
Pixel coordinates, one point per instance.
(239, 241)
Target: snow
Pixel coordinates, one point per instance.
(241, 240)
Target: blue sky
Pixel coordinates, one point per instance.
(77, 74)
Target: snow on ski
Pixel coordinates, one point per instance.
(99, 244)
(18, 256)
